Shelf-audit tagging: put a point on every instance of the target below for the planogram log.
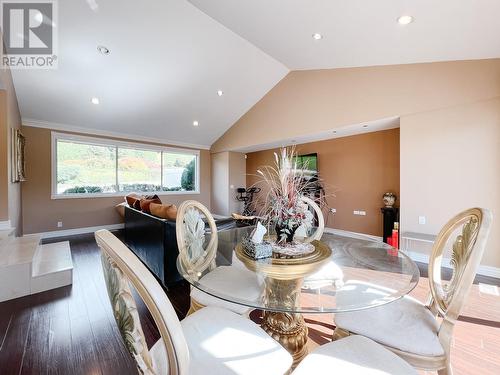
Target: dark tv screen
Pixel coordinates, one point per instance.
(309, 162)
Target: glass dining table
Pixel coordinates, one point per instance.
(347, 273)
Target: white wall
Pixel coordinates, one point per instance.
(450, 161)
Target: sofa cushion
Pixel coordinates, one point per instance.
(164, 211)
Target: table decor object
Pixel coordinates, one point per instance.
(283, 206)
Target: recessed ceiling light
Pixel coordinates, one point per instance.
(317, 36)
(334, 132)
(405, 20)
(365, 126)
(103, 50)
(39, 17)
(196, 123)
(220, 92)
(94, 100)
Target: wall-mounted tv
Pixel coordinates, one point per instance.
(308, 162)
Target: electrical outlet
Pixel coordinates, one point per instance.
(422, 220)
(362, 213)
(333, 210)
(355, 212)
(59, 224)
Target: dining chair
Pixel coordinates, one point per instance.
(212, 340)
(197, 257)
(422, 333)
(330, 273)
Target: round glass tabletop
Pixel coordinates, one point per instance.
(359, 273)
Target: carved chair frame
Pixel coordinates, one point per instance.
(446, 299)
(122, 268)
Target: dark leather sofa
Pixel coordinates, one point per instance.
(154, 241)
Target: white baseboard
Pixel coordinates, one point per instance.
(5, 225)
(416, 256)
(348, 233)
(482, 270)
(72, 232)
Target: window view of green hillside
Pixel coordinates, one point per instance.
(88, 168)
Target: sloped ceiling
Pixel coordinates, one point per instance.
(363, 32)
(169, 57)
(167, 62)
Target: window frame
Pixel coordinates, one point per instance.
(88, 140)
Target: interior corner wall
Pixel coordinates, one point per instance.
(237, 179)
(10, 119)
(220, 183)
(450, 161)
(41, 213)
(228, 174)
(4, 159)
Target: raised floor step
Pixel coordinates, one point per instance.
(27, 267)
(52, 267)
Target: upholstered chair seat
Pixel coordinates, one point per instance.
(405, 324)
(353, 355)
(222, 342)
(231, 281)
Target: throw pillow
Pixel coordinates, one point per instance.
(164, 211)
(132, 198)
(121, 208)
(146, 202)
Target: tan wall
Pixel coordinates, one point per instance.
(237, 179)
(10, 119)
(309, 102)
(450, 161)
(357, 169)
(220, 183)
(4, 159)
(41, 213)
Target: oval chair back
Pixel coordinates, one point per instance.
(195, 254)
(321, 220)
(121, 268)
(448, 298)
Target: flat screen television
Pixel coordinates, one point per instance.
(308, 162)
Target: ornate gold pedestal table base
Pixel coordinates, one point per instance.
(283, 281)
(289, 329)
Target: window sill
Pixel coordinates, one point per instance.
(122, 194)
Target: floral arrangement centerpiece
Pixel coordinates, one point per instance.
(282, 206)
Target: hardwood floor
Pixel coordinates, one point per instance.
(71, 330)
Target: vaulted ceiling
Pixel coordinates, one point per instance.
(169, 58)
(362, 32)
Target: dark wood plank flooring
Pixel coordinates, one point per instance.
(71, 330)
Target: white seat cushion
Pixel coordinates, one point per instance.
(405, 324)
(222, 342)
(159, 358)
(354, 355)
(329, 274)
(231, 281)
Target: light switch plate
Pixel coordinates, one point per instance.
(422, 220)
(362, 213)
